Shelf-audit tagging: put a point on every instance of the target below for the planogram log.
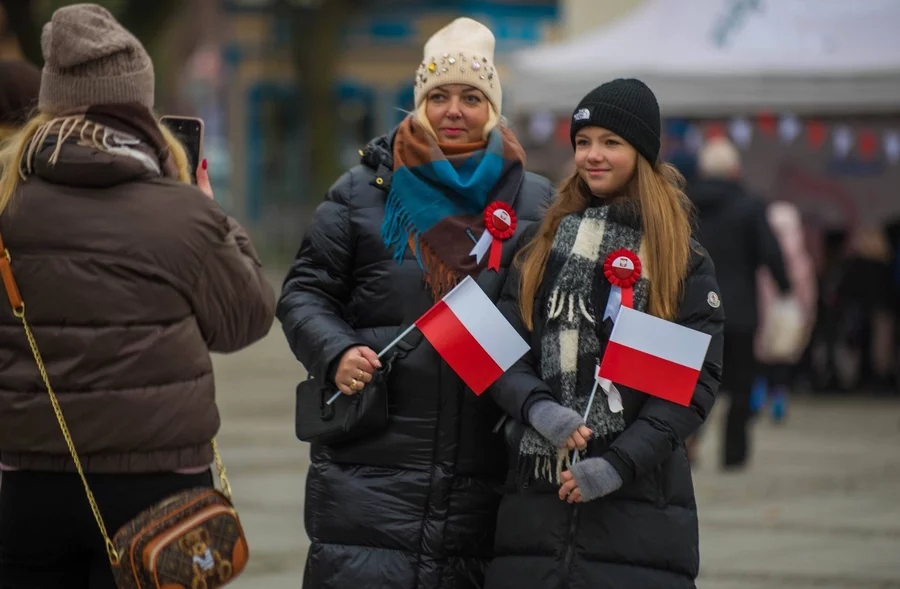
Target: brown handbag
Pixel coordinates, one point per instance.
(191, 540)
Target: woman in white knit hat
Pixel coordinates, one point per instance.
(413, 504)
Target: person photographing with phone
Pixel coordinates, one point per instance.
(131, 278)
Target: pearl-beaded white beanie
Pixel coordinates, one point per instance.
(460, 53)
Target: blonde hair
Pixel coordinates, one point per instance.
(665, 216)
(718, 158)
(19, 148)
(422, 118)
(179, 154)
(6, 130)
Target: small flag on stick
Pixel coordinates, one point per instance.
(472, 336)
(654, 356)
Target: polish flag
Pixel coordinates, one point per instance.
(472, 336)
(654, 356)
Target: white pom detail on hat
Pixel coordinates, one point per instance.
(460, 53)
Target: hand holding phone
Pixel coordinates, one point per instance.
(189, 131)
(203, 180)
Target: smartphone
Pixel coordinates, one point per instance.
(188, 130)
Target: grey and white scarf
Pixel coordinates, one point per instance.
(570, 344)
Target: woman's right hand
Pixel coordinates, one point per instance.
(355, 369)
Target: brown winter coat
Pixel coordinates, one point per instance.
(129, 281)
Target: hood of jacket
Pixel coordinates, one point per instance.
(85, 166)
(378, 154)
(86, 153)
(713, 195)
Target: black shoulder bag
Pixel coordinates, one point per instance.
(350, 417)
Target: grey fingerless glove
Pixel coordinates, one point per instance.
(596, 478)
(554, 422)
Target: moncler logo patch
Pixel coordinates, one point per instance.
(713, 300)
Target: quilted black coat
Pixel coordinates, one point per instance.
(643, 536)
(413, 506)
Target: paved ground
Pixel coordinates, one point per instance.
(820, 506)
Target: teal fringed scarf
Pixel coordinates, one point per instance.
(436, 194)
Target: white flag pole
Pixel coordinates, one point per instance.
(589, 405)
(386, 349)
(407, 331)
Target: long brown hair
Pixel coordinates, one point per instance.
(665, 215)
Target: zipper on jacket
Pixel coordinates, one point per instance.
(500, 423)
(173, 534)
(570, 548)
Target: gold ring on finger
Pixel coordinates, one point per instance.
(359, 375)
(353, 382)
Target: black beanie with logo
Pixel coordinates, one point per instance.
(628, 108)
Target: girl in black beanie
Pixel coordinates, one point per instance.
(623, 514)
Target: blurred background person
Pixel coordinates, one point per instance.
(826, 352)
(785, 322)
(864, 355)
(732, 226)
(892, 230)
(20, 82)
(686, 163)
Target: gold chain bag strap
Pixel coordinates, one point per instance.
(191, 540)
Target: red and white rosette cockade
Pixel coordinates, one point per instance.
(499, 225)
(623, 269)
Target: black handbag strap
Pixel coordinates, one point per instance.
(407, 344)
(410, 341)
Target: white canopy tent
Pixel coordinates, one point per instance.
(720, 57)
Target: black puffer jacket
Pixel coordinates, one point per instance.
(415, 505)
(643, 536)
(733, 227)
